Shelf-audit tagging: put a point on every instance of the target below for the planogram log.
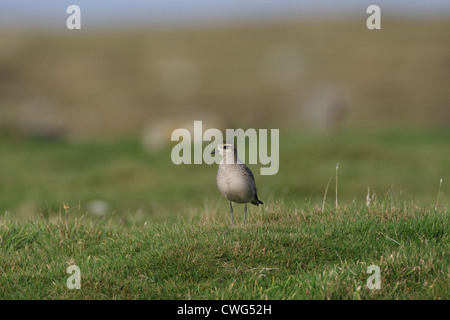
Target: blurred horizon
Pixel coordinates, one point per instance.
(320, 75)
(51, 14)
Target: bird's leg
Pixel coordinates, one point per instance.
(245, 212)
(231, 211)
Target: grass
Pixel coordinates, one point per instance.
(37, 177)
(165, 232)
(283, 253)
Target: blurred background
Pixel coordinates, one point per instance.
(86, 115)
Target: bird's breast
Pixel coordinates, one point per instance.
(234, 184)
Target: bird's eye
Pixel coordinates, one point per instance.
(224, 146)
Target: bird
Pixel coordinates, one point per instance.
(234, 179)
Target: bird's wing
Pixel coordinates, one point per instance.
(250, 174)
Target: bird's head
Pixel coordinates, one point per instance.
(227, 150)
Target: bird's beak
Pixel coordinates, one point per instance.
(213, 152)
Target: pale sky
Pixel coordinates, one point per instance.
(110, 13)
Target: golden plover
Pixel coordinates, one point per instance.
(234, 179)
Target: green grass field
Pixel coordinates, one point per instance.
(38, 176)
(167, 240)
(77, 186)
(283, 253)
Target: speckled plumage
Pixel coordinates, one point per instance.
(237, 183)
(235, 180)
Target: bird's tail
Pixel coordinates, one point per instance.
(256, 201)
